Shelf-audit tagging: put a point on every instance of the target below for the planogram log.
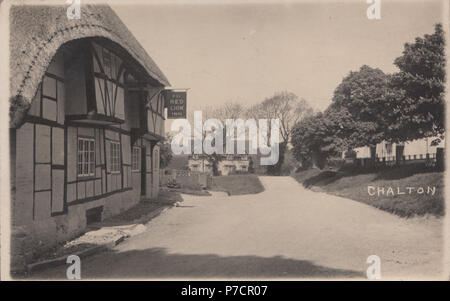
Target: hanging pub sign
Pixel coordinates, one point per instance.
(176, 104)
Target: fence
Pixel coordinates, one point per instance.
(429, 160)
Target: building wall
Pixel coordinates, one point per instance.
(225, 166)
(149, 173)
(415, 147)
(230, 166)
(199, 165)
(50, 198)
(155, 171)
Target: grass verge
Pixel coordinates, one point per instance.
(237, 184)
(404, 199)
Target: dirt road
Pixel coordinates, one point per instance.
(286, 231)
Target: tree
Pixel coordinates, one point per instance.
(419, 110)
(315, 138)
(165, 153)
(361, 99)
(370, 106)
(289, 109)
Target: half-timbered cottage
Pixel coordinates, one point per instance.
(87, 114)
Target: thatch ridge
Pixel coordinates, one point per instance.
(37, 32)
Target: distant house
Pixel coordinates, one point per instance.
(227, 165)
(86, 120)
(419, 149)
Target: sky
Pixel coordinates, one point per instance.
(245, 52)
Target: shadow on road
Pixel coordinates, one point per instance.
(158, 263)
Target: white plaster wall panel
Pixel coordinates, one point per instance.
(148, 163)
(125, 177)
(149, 188)
(104, 182)
(119, 113)
(71, 192)
(147, 147)
(23, 205)
(42, 177)
(42, 143)
(61, 103)
(108, 179)
(98, 187)
(87, 132)
(49, 109)
(89, 189)
(150, 123)
(71, 154)
(118, 181)
(112, 135)
(81, 190)
(102, 147)
(98, 171)
(42, 206)
(113, 182)
(155, 190)
(58, 146)
(130, 179)
(49, 87)
(136, 182)
(57, 190)
(126, 149)
(108, 153)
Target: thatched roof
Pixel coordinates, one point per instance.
(38, 31)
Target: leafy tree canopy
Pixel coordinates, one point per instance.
(420, 107)
(360, 101)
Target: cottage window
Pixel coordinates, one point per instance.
(86, 157)
(135, 159)
(114, 158)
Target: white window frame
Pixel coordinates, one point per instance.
(114, 157)
(136, 158)
(83, 154)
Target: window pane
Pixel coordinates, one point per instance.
(80, 157)
(85, 163)
(115, 157)
(91, 162)
(118, 157)
(86, 157)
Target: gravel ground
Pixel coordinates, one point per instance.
(284, 232)
(120, 226)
